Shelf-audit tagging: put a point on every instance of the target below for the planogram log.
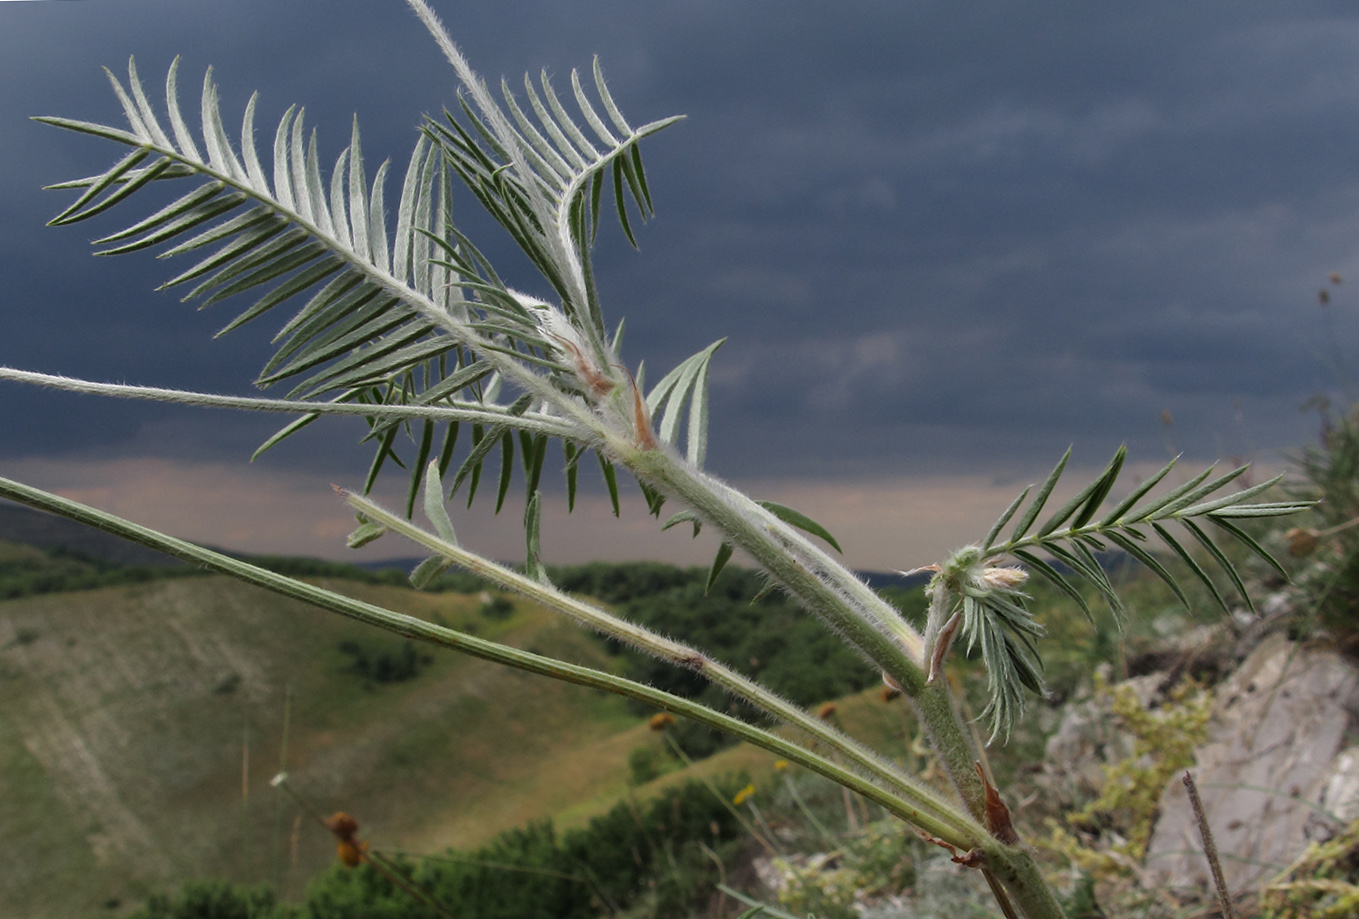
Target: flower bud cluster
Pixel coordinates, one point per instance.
(966, 574)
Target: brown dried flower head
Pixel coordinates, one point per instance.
(342, 825)
(1302, 542)
(350, 854)
(349, 850)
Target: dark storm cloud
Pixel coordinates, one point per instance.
(936, 237)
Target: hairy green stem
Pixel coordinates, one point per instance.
(863, 618)
(951, 742)
(1015, 868)
(826, 590)
(451, 411)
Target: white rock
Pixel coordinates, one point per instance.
(1270, 770)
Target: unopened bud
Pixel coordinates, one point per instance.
(348, 849)
(1003, 578)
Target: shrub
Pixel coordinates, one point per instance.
(216, 900)
(1331, 472)
(643, 765)
(388, 662)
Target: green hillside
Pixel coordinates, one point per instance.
(142, 724)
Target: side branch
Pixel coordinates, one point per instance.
(551, 425)
(674, 652)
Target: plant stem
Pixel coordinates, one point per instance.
(952, 743)
(1019, 874)
(667, 649)
(823, 585)
(455, 411)
(826, 835)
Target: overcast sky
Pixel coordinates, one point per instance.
(944, 244)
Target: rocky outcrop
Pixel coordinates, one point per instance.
(1088, 738)
(1276, 773)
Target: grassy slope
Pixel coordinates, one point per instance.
(128, 709)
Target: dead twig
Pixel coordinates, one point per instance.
(1224, 897)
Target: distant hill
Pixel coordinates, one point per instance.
(23, 526)
(20, 524)
(142, 724)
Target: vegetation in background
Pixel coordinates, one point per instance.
(216, 900)
(26, 571)
(1330, 581)
(768, 638)
(384, 661)
(1322, 884)
(497, 606)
